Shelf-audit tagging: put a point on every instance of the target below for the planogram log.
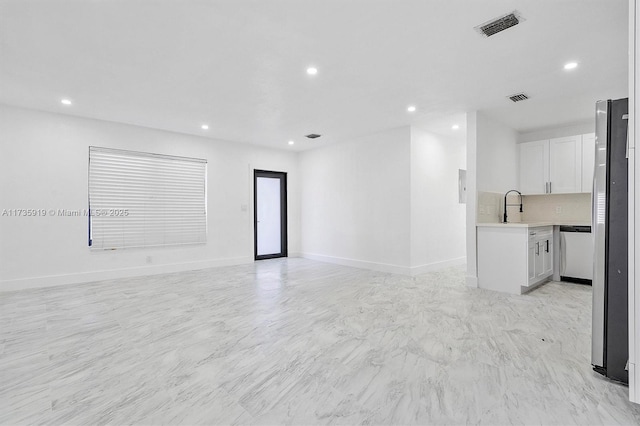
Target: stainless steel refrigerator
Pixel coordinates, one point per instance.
(610, 340)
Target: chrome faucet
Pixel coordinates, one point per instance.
(507, 205)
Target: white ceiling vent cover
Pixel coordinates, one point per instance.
(518, 97)
(499, 24)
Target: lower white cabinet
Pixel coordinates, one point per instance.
(514, 258)
(539, 254)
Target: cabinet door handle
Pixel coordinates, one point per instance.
(549, 187)
(537, 248)
(547, 247)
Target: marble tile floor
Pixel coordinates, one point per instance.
(294, 341)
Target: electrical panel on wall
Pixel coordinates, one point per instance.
(462, 186)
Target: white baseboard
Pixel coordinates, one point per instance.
(84, 277)
(386, 267)
(436, 266)
(634, 381)
(362, 264)
(472, 281)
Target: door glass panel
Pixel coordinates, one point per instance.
(268, 216)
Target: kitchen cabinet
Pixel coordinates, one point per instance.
(540, 254)
(534, 167)
(514, 258)
(557, 166)
(588, 161)
(565, 165)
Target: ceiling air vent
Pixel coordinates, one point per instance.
(499, 24)
(519, 97)
(313, 136)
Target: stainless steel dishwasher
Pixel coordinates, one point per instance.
(576, 254)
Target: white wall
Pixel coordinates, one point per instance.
(438, 225)
(44, 165)
(559, 132)
(492, 167)
(355, 202)
(472, 198)
(496, 156)
(387, 201)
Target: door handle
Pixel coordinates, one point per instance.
(563, 253)
(537, 248)
(626, 117)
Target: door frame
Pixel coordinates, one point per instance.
(283, 213)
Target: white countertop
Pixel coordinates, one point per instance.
(529, 224)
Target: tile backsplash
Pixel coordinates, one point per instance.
(558, 208)
(491, 207)
(567, 208)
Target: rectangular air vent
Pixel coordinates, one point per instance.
(313, 136)
(519, 97)
(499, 24)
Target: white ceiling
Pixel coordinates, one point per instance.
(239, 66)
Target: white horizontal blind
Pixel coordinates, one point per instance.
(138, 199)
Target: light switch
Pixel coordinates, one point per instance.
(243, 207)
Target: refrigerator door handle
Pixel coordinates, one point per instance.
(626, 117)
(563, 254)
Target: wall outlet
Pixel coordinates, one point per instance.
(243, 207)
(481, 209)
(149, 260)
(558, 209)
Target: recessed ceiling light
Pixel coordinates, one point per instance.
(570, 65)
(291, 142)
(205, 127)
(455, 127)
(312, 71)
(411, 108)
(65, 102)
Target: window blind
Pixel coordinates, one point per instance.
(139, 199)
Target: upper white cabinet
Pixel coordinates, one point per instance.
(534, 167)
(557, 166)
(565, 165)
(588, 161)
